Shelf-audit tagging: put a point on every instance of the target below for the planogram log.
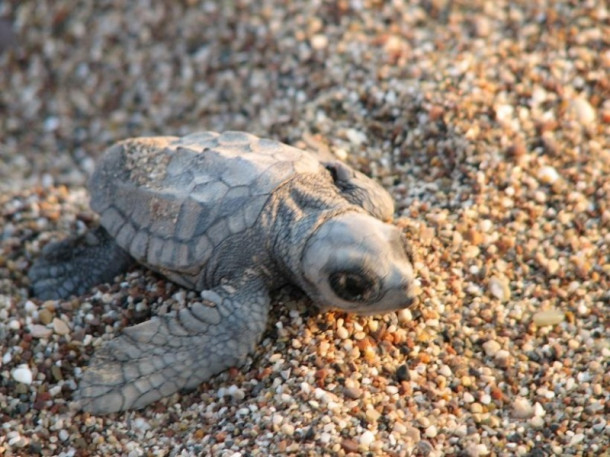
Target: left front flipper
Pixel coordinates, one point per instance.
(159, 357)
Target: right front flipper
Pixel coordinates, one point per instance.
(159, 357)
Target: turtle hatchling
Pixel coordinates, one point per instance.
(232, 216)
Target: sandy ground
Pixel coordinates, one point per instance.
(489, 121)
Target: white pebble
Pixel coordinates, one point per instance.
(277, 419)
(319, 41)
(445, 371)
(485, 225)
(22, 374)
(355, 137)
(582, 111)
(30, 307)
(548, 317)
(522, 408)
(576, 439)
(14, 324)
(491, 347)
(236, 392)
(548, 175)
(55, 390)
(499, 288)
(141, 424)
(404, 316)
(366, 439)
(431, 431)
(342, 333)
(537, 422)
(501, 356)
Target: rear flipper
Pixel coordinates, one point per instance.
(74, 265)
(168, 353)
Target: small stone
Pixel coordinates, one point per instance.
(399, 428)
(14, 324)
(287, 429)
(235, 392)
(342, 333)
(352, 392)
(499, 288)
(60, 327)
(45, 316)
(319, 41)
(413, 434)
(402, 373)
(548, 317)
(548, 175)
(404, 316)
(349, 445)
(40, 331)
(491, 347)
(576, 439)
(582, 111)
(366, 439)
(522, 408)
(537, 422)
(502, 357)
(431, 431)
(355, 137)
(22, 374)
(372, 414)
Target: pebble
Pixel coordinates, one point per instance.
(404, 316)
(60, 327)
(45, 316)
(342, 333)
(40, 331)
(366, 439)
(491, 347)
(432, 431)
(522, 408)
(499, 288)
(548, 317)
(582, 111)
(319, 41)
(22, 374)
(548, 175)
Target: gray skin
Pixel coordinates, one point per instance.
(232, 216)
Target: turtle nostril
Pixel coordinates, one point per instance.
(409, 301)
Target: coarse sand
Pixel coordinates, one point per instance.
(489, 121)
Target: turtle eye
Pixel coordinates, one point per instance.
(350, 286)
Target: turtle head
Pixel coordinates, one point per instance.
(356, 263)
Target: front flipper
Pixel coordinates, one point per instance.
(159, 357)
(359, 189)
(74, 265)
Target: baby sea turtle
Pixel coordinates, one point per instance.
(233, 216)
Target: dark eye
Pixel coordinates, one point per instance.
(350, 286)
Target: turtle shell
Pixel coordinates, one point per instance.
(170, 201)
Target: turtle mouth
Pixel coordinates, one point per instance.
(373, 310)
